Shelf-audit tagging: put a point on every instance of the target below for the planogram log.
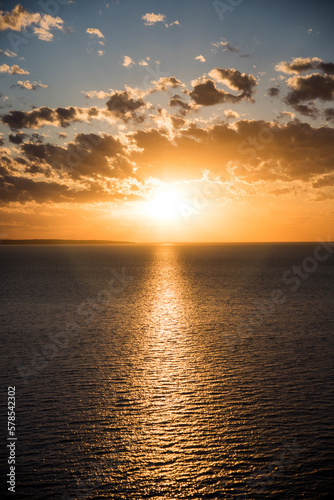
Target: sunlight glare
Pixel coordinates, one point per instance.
(164, 206)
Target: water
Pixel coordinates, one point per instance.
(184, 382)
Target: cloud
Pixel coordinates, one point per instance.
(30, 86)
(13, 70)
(26, 189)
(165, 83)
(174, 23)
(86, 168)
(20, 137)
(230, 113)
(87, 156)
(324, 181)
(205, 92)
(128, 62)
(176, 101)
(23, 187)
(235, 80)
(19, 18)
(226, 46)
(42, 116)
(300, 65)
(289, 152)
(306, 88)
(151, 19)
(287, 114)
(273, 91)
(167, 122)
(306, 110)
(200, 58)
(100, 52)
(94, 32)
(17, 138)
(329, 114)
(125, 105)
(143, 63)
(98, 94)
(8, 53)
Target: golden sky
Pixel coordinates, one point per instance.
(190, 122)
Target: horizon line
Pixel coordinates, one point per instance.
(64, 241)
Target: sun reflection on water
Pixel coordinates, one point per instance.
(171, 433)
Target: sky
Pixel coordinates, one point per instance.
(179, 121)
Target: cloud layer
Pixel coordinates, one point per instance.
(20, 19)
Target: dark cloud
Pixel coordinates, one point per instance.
(125, 105)
(177, 101)
(89, 155)
(273, 91)
(306, 88)
(22, 190)
(85, 171)
(25, 189)
(21, 161)
(33, 169)
(177, 121)
(300, 65)
(307, 110)
(235, 80)
(19, 189)
(37, 138)
(206, 93)
(326, 67)
(17, 138)
(41, 116)
(329, 114)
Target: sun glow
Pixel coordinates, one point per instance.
(165, 205)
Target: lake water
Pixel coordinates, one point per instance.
(169, 371)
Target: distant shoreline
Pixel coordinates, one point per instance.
(5, 242)
(64, 242)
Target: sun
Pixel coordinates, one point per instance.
(165, 205)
